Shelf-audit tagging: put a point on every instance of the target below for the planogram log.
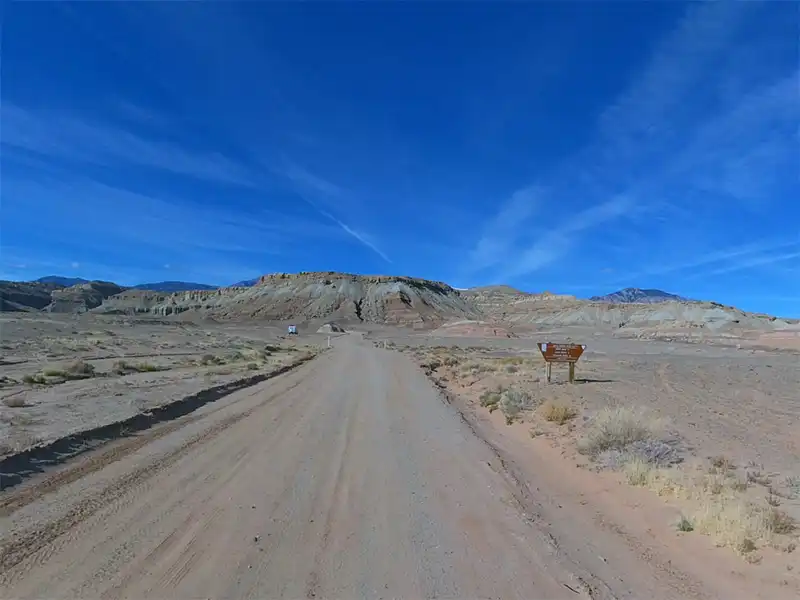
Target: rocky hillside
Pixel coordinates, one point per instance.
(307, 296)
(82, 297)
(511, 305)
(639, 296)
(404, 301)
(19, 296)
(502, 301)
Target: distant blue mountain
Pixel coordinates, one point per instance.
(174, 286)
(58, 280)
(639, 296)
(246, 283)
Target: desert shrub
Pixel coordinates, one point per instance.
(146, 368)
(685, 524)
(210, 359)
(55, 373)
(778, 521)
(490, 398)
(558, 412)
(721, 464)
(653, 452)
(80, 369)
(121, 367)
(33, 379)
(512, 368)
(252, 366)
(616, 428)
(513, 402)
(451, 361)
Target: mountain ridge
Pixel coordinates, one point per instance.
(384, 299)
(632, 295)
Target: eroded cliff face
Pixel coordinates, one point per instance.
(82, 297)
(281, 296)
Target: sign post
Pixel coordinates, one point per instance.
(560, 353)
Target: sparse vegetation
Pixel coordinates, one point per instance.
(79, 370)
(558, 412)
(721, 464)
(209, 360)
(476, 367)
(685, 524)
(34, 379)
(122, 367)
(18, 442)
(793, 485)
(512, 360)
(491, 398)
(513, 402)
(720, 510)
(616, 428)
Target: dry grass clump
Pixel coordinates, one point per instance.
(122, 367)
(720, 510)
(476, 367)
(79, 369)
(512, 360)
(615, 428)
(558, 412)
(210, 359)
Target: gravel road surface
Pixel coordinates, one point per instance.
(349, 478)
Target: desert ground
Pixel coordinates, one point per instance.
(61, 374)
(396, 463)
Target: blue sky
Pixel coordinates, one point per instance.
(571, 147)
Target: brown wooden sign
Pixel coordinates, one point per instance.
(561, 353)
(568, 353)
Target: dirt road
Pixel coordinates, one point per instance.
(347, 478)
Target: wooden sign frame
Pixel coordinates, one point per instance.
(560, 353)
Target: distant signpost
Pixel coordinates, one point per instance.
(561, 353)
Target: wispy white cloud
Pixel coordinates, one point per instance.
(654, 106)
(726, 260)
(105, 217)
(310, 181)
(307, 184)
(697, 131)
(67, 136)
(503, 230)
(557, 242)
(753, 262)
